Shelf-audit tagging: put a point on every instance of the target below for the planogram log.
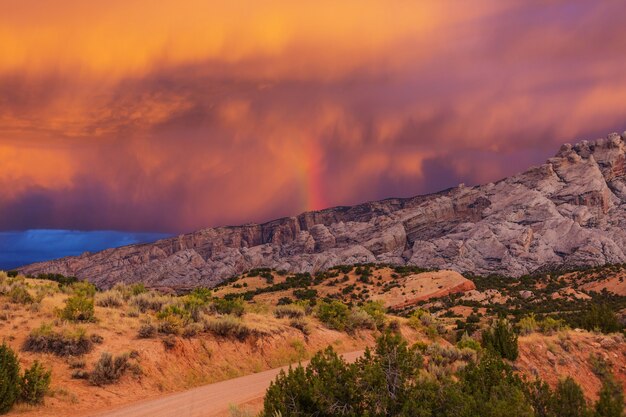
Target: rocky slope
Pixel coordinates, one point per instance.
(568, 211)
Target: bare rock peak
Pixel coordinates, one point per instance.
(569, 211)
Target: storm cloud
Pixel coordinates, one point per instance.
(138, 116)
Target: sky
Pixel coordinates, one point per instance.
(138, 116)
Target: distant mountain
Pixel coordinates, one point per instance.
(570, 211)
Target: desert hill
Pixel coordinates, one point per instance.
(266, 318)
(570, 211)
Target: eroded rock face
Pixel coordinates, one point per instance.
(569, 211)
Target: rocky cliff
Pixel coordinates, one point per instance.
(569, 211)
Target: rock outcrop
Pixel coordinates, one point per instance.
(569, 211)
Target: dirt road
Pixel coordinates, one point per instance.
(206, 401)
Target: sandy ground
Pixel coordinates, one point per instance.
(406, 290)
(419, 287)
(210, 400)
(569, 353)
(193, 362)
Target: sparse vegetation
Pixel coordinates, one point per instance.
(69, 342)
(108, 369)
(146, 331)
(291, 311)
(28, 388)
(340, 302)
(228, 326)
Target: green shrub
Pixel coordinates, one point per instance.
(290, 310)
(421, 318)
(528, 325)
(138, 288)
(195, 304)
(169, 342)
(550, 325)
(599, 317)
(234, 306)
(146, 331)
(170, 325)
(501, 339)
(611, 401)
(359, 319)
(227, 326)
(19, 295)
(78, 308)
(377, 311)
(84, 288)
(334, 314)
(192, 329)
(61, 279)
(108, 369)
(284, 301)
(35, 384)
(149, 301)
(68, 343)
(305, 294)
(111, 298)
(301, 324)
(467, 342)
(172, 319)
(9, 378)
(569, 400)
(201, 293)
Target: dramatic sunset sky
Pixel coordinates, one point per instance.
(143, 116)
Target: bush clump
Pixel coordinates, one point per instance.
(20, 295)
(291, 311)
(235, 306)
(149, 301)
(228, 326)
(192, 329)
(146, 331)
(78, 308)
(108, 369)
(301, 324)
(377, 311)
(501, 339)
(111, 298)
(35, 384)
(334, 314)
(9, 378)
(599, 318)
(68, 343)
(28, 388)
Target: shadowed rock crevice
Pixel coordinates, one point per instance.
(569, 211)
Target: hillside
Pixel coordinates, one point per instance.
(570, 211)
(264, 319)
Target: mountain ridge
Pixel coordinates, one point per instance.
(568, 211)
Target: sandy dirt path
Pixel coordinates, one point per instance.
(209, 400)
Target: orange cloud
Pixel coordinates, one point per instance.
(171, 116)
